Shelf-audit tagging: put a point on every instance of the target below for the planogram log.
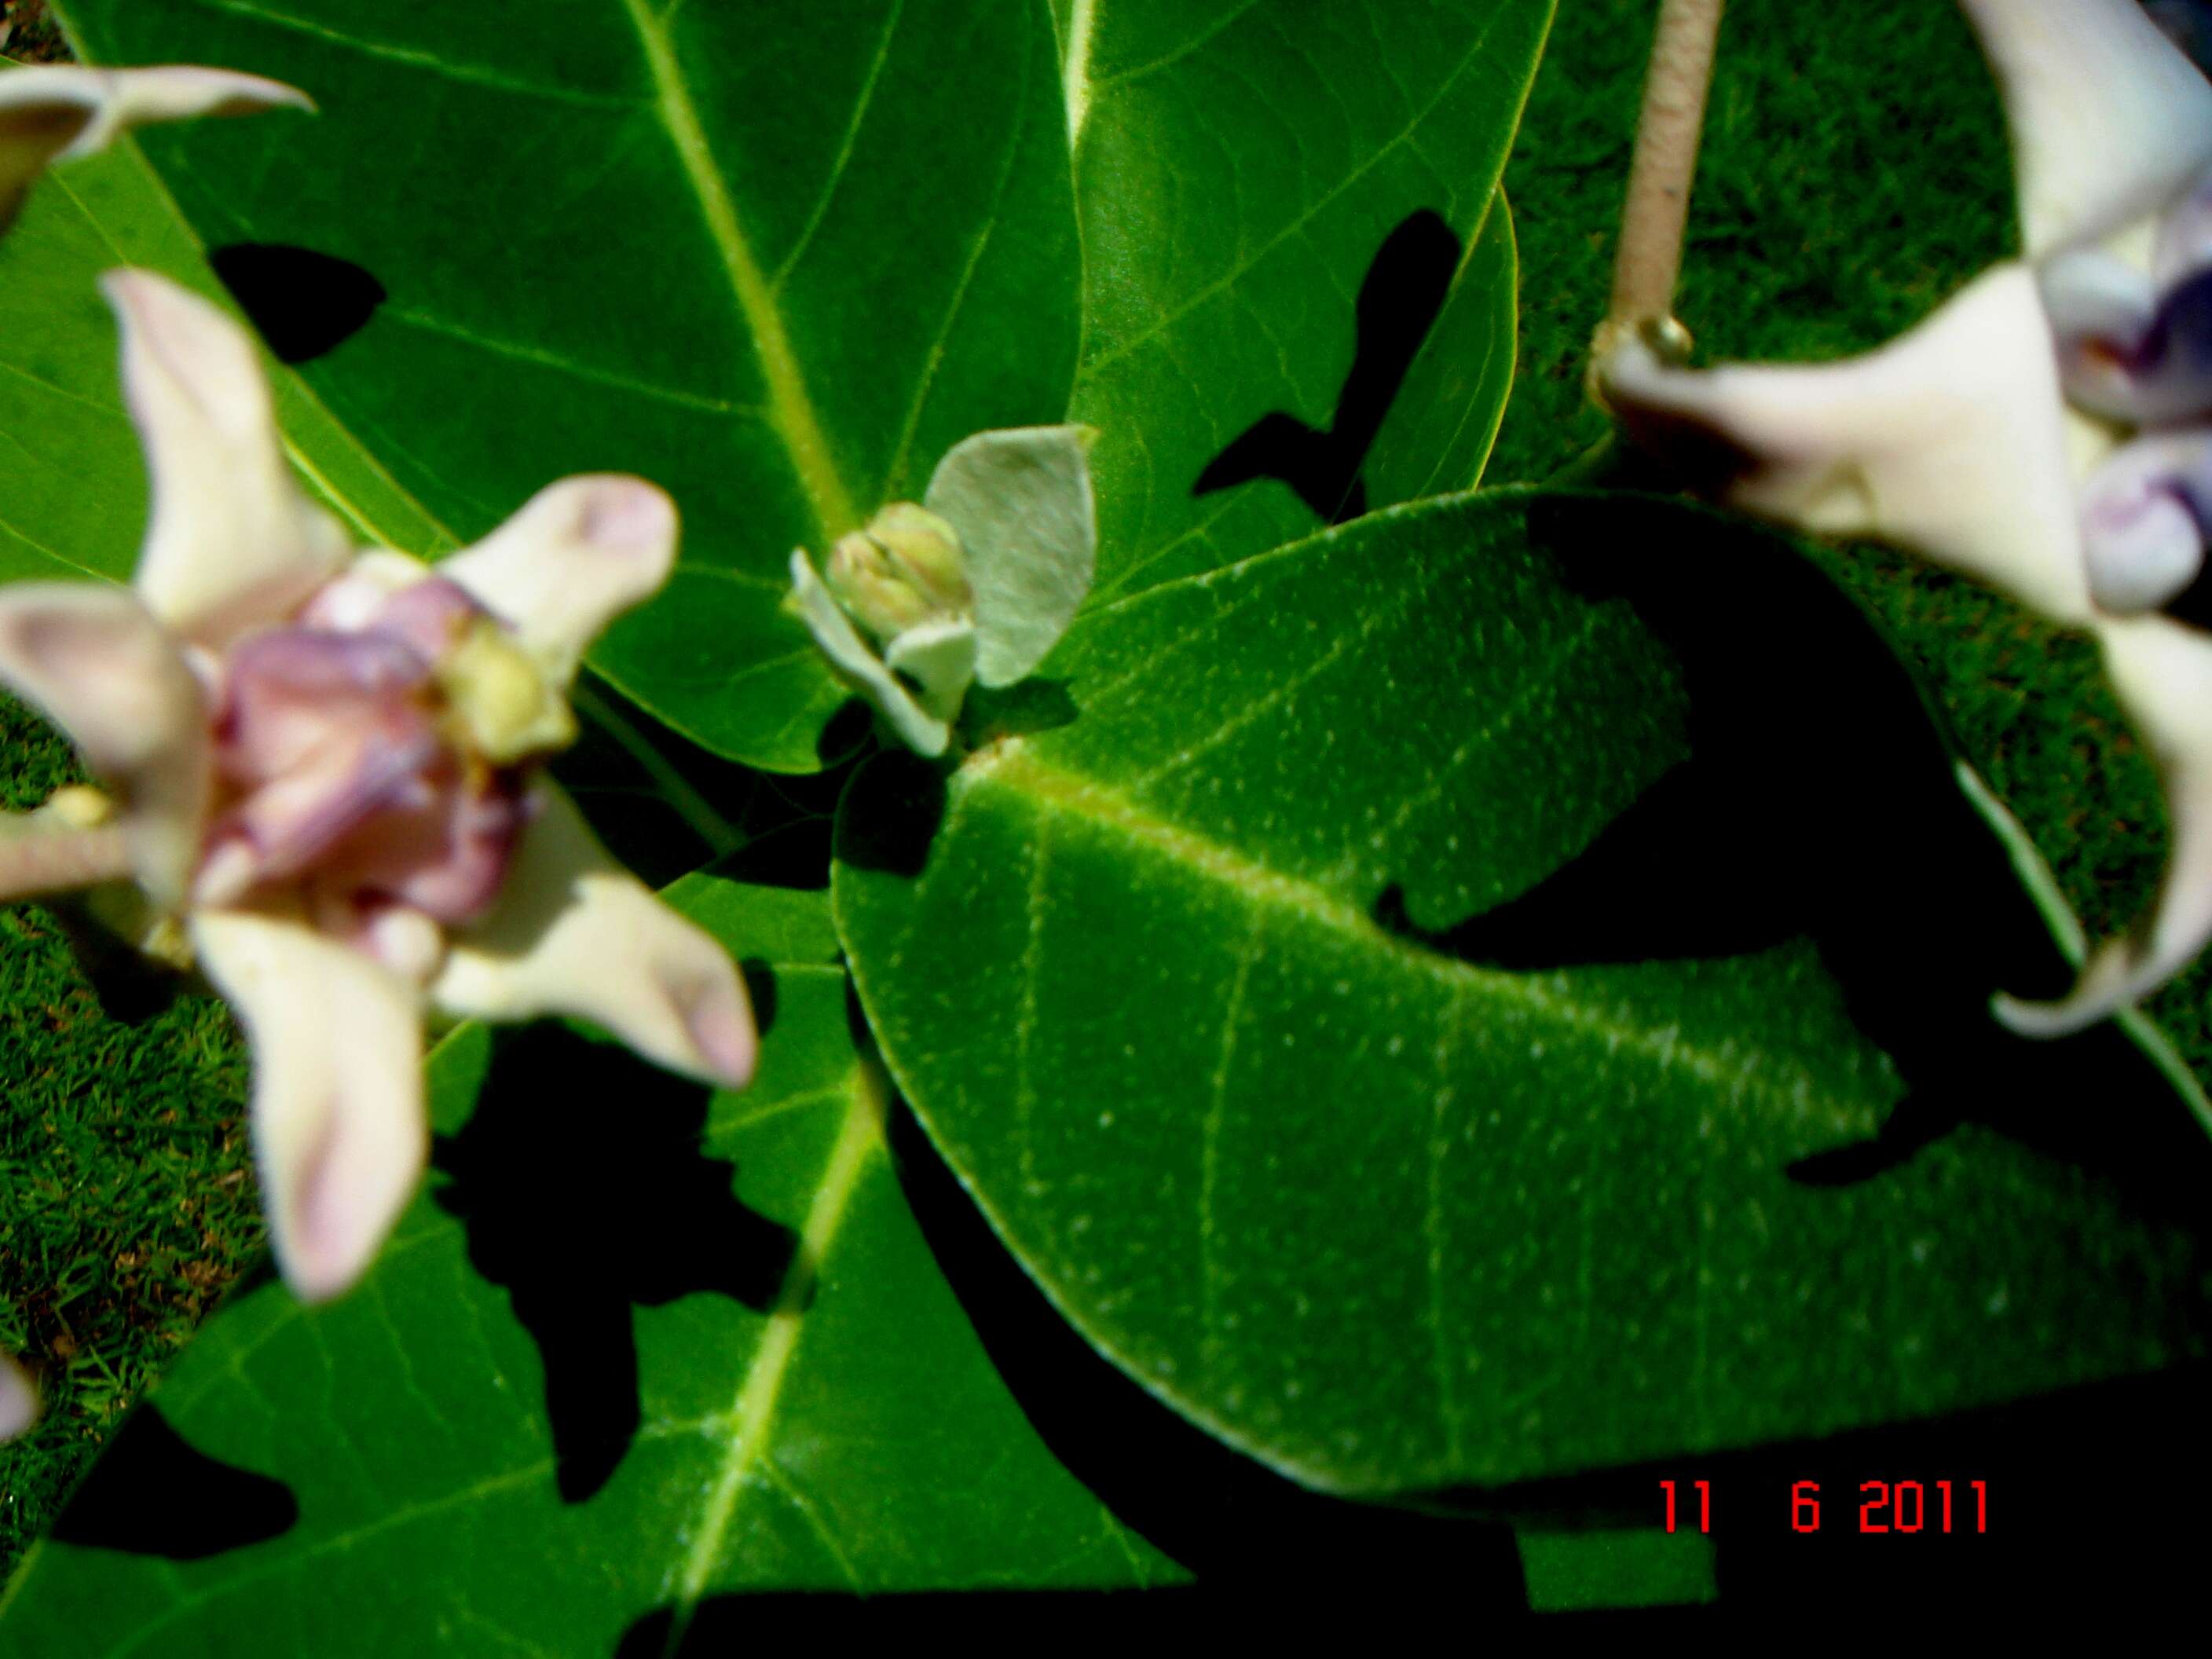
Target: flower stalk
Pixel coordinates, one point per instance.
(38, 862)
(1648, 258)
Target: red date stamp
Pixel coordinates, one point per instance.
(1884, 1506)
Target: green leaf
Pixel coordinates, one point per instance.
(777, 260)
(1238, 170)
(847, 1433)
(1436, 438)
(75, 485)
(1701, 1139)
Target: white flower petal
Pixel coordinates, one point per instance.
(578, 554)
(108, 674)
(1951, 440)
(2139, 528)
(2100, 307)
(54, 111)
(19, 1399)
(860, 667)
(576, 933)
(2184, 239)
(1021, 501)
(233, 541)
(340, 1129)
(2109, 119)
(2162, 670)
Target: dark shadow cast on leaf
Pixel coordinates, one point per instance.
(1820, 801)
(153, 1493)
(305, 304)
(1264, 1551)
(586, 1192)
(1240, 1528)
(892, 814)
(727, 1625)
(784, 819)
(1400, 299)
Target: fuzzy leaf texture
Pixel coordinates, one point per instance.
(1499, 990)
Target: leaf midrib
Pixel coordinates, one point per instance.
(751, 1416)
(790, 410)
(1012, 768)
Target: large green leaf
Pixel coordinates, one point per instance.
(844, 1431)
(778, 259)
(1701, 1139)
(1239, 168)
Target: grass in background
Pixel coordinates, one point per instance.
(1854, 175)
(28, 32)
(127, 1200)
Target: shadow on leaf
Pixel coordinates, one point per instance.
(1820, 801)
(723, 1625)
(627, 772)
(304, 303)
(1258, 1544)
(1240, 1528)
(152, 1493)
(892, 820)
(583, 1186)
(1400, 299)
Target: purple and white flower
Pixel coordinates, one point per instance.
(2048, 431)
(320, 772)
(56, 113)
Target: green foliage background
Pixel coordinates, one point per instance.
(1852, 179)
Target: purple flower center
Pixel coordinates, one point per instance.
(338, 773)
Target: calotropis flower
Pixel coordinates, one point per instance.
(976, 583)
(323, 777)
(1957, 440)
(51, 112)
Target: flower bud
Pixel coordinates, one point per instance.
(905, 569)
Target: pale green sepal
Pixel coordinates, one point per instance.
(860, 666)
(1021, 501)
(940, 657)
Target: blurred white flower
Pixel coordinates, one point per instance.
(319, 770)
(977, 583)
(1994, 437)
(19, 1399)
(55, 111)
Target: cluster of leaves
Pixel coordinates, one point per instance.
(1451, 1001)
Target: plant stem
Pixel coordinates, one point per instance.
(1649, 255)
(37, 861)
